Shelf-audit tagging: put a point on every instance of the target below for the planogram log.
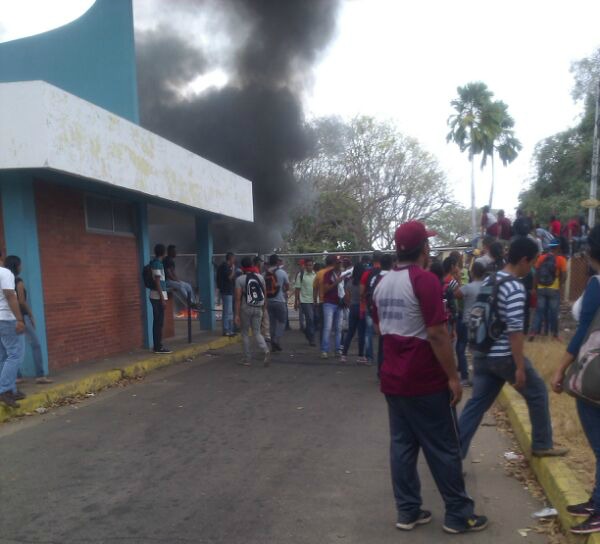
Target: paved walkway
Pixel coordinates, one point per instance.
(212, 452)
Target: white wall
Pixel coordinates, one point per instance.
(42, 126)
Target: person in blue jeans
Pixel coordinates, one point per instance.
(584, 310)
(332, 309)
(506, 362)
(13, 263)
(356, 323)
(225, 284)
(12, 339)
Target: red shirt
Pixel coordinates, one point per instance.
(408, 301)
(331, 296)
(573, 227)
(505, 228)
(555, 227)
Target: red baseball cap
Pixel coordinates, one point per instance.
(409, 235)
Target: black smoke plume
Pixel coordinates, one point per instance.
(255, 125)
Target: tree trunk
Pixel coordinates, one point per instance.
(493, 182)
(473, 209)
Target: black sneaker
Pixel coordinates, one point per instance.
(474, 523)
(590, 525)
(19, 395)
(275, 346)
(162, 351)
(422, 518)
(582, 510)
(8, 399)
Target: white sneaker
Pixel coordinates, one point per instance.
(324, 355)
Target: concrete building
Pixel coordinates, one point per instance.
(80, 181)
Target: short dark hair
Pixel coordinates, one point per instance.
(171, 246)
(497, 250)
(488, 241)
(478, 270)
(436, 268)
(520, 248)
(273, 259)
(246, 262)
(257, 260)
(449, 263)
(12, 262)
(411, 255)
(309, 260)
(329, 260)
(386, 262)
(228, 254)
(318, 266)
(159, 250)
(593, 242)
(377, 256)
(485, 209)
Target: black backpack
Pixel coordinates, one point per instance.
(547, 271)
(255, 295)
(372, 281)
(148, 277)
(484, 326)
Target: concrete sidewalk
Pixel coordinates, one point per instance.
(92, 376)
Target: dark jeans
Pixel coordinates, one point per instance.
(319, 321)
(489, 376)
(429, 423)
(548, 307)
(277, 319)
(461, 349)
(589, 415)
(379, 354)
(355, 323)
(307, 310)
(158, 320)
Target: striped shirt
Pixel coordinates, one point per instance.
(511, 309)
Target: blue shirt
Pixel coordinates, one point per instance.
(589, 307)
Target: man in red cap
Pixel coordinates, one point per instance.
(421, 385)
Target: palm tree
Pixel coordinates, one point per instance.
(471, 128)
(501, 138)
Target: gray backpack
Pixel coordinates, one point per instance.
(582, 379)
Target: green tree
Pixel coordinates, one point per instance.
(472, 128)
(501, 139)
(386, 174)
(563, 161)
(452, 224)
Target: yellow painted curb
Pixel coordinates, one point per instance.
(559, 482)
(100, 380)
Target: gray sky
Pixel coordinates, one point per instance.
(402, 60)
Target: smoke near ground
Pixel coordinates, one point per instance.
(254, 125)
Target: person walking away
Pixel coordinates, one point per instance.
(421, 386)
(277, 285)
(469, 292)
(303, 290)
(356, 324)
(301, 319)
(585, 311)
(506, 362)
(367, 284)
(555, 226)
(265, 326)
(250, 300)
(173, 282)
(522, 225)
(551, 273)
(504, 227)
(489, 223)
(485, 258)
(13, 263)
(225, 284)
(158, 299)
(451, 291)
(319, 293)
(332, 310)
(544, 236)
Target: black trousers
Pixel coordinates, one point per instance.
(158, 320)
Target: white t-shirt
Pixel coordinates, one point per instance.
(7, 281)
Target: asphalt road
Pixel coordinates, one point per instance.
(213, 452)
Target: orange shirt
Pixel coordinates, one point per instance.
(319, 284)
(561, 268)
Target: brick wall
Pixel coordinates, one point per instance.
(91, 282)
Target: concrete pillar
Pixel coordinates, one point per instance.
(144, 256)
(204, 272)
(21, 236)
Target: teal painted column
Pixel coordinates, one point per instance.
(144, 256)
(204, 272)
(21, 235)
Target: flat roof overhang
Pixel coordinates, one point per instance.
(43, 127)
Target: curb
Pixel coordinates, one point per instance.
(106, 378)
(558, 481)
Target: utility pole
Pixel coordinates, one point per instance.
(595, 158)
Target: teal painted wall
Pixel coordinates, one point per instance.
(92, 57)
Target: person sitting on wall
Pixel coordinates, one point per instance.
(173, 282)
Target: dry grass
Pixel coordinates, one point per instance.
(546, 355)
